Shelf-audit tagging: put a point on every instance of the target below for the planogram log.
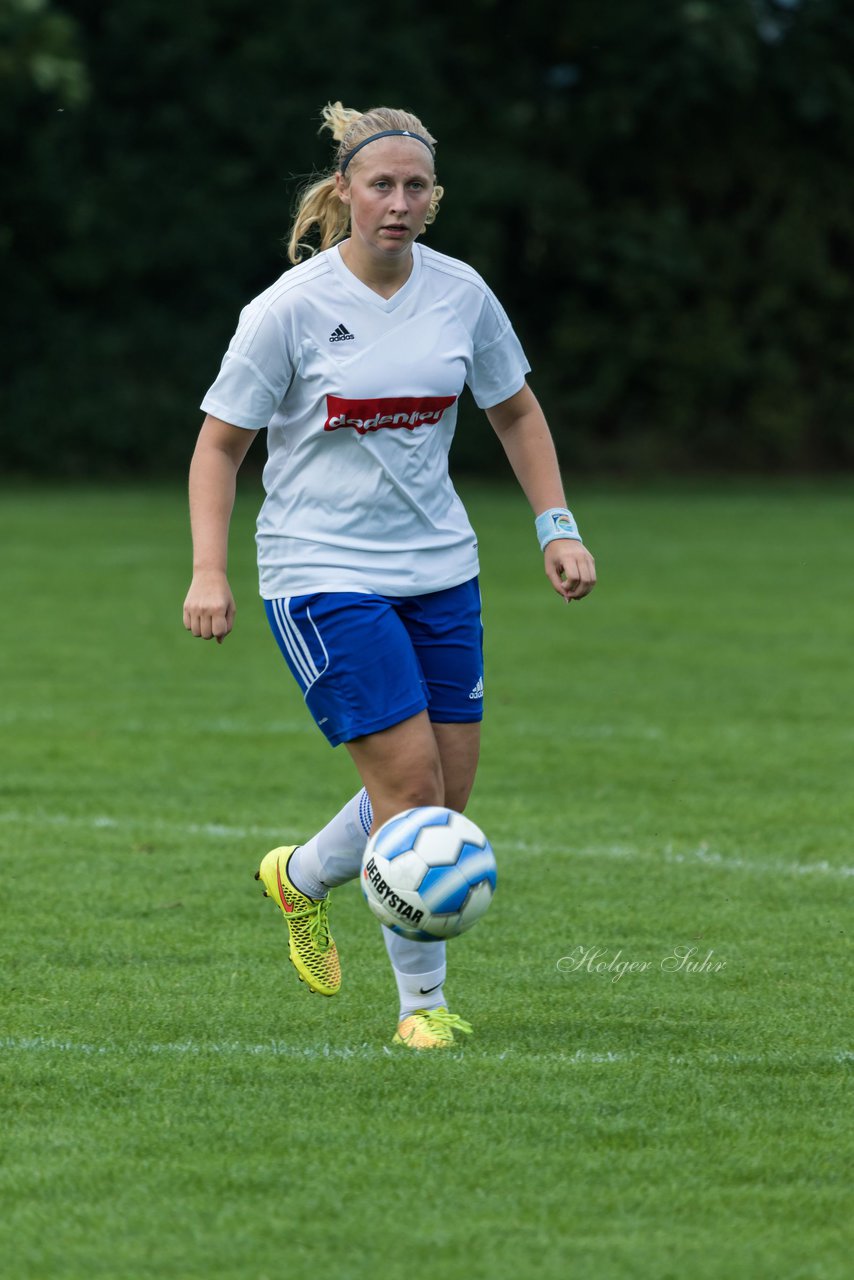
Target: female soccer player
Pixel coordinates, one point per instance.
(354, 361)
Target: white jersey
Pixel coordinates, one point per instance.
(359, 397)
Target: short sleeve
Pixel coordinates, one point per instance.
(499, 364)
(256, 370)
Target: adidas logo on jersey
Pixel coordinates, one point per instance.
(341, 334)
(477, 691)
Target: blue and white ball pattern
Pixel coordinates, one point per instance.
(428, 873)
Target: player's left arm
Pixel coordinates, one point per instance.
(521, 426)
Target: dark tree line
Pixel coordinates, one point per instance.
(661, 195)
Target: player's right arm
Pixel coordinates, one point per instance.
(220, 449)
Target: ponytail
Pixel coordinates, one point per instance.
(319, 205)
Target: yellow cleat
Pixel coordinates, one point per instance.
(311, 948)
(429, 1029)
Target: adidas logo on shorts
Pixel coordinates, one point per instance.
(341, 334)
(477, 691)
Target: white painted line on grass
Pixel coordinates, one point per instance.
(281, 1049)
(702, 855)
(184, 1048)
(102, 822)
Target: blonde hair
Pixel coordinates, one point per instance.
(319, 204)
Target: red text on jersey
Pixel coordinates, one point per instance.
(385, 413)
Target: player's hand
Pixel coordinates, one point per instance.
(570, 568)
(209, 608)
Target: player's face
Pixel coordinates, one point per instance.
(389, 191)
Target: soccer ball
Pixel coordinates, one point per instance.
(428, 873)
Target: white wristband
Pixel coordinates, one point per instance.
(557, 522)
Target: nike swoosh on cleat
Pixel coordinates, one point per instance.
(429, 989)
(289, 906)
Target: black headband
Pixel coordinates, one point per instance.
(386, 133)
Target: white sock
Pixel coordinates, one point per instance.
(334, 855)
(419, 970)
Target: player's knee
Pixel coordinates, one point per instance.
(415, 795)
(456, 796)
(414, 788)
(423, 791)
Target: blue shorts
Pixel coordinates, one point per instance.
(366, 662)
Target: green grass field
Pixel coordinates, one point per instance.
(667, 765)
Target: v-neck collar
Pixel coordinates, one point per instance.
(365, 293)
